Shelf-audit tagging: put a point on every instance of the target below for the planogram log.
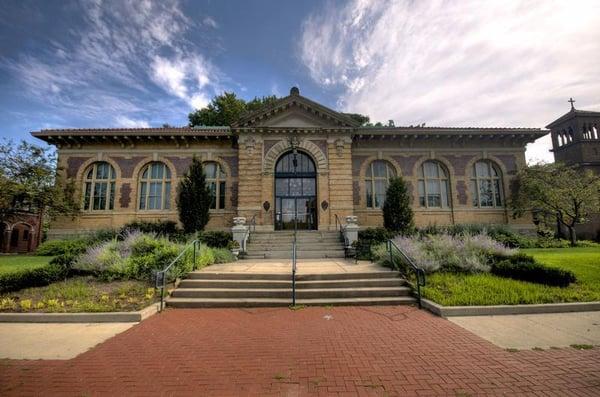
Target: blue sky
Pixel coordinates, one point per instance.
(94, 63)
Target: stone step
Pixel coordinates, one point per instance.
(236, 284)
(271, 302)
(203, 275)
(363, 292)
(352, 283)
(348, 276)
(282, 293)
(301, 247)
(287, 254)
(289, 241)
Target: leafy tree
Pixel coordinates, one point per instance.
(193, 198)
(226, 109)
(397, 213)
(28, 181)
(360, 118)
(569, 193)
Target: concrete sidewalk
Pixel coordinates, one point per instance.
(526, 331)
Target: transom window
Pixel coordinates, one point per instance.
(433, 185)
(377, 181)
(99, 187)
(155, 187)
(215, 180)
(486, 185)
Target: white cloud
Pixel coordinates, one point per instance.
(126, 122)
(210, 22)
(470, 63)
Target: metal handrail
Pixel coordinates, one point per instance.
(161, 276)
(294, 270)
(251, 224)
(419, 272)
(339, 226)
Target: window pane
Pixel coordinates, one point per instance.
(90, 173)
(210, 170)
(212, 188)
(102, 171)
(369, 190)
(308, 187)
(222, 195)
(156, 171)
(431, 170)
(143, 195)
(485, 193)
(380, 187)
(281, 186)
(444, 187)
(495, 171)
(155, 196)
(295, 186)
(86, 197)
(498, 192)
(167, 195)
(100, 190)
(111, 199)
(421, 187)
(482, 169)
(145, 174)
(379, 169)
(379, 200)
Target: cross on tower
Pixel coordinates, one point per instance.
(571, 101)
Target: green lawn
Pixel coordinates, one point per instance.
(14, 263)
(486, 289)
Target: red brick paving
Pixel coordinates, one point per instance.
(369, 351)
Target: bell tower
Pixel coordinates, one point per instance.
(576, 138)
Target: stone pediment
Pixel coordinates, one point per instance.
(295, 110)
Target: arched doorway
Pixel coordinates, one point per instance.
(295, 192)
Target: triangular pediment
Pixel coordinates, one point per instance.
(295, 110)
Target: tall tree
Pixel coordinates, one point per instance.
(193, 198)
(569, 193)
(226, 109)
(360, 118)
(397, 213)
(28, 181)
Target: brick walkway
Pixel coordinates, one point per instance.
(357, 351)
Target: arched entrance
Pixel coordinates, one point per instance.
(295, 192)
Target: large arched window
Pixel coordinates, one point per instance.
(155, 187)
(486, 184)
(433, 185)
(99, 187)
(215, 180)
(377, 180)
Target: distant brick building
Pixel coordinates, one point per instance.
(576, 141)
(294, 161)
(20, 232)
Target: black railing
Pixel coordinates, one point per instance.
(420, 280)
(294, 270)
(161, 276)
(339, 226)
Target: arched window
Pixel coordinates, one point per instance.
(377, 180)
(215, 180)
(486, 185)
(99, 187)
(433, 185)
(155, 187)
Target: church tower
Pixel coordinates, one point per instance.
(576, 138)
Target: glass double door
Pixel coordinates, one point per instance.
(295, 204)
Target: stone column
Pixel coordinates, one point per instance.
(340, 177)
(250, 176)
(6, 242)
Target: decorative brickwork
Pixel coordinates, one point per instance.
(407, 163)
(74, 164)
(509, 161)
(181, 164)
(127, 165)
(459, 163)
(232, 163)
(357, 162)
(461, 192)
(125, 195)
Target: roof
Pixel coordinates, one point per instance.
(571, 114)
(292, 100)
(52, 134)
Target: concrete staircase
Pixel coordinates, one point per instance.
(210, 289)
(310, 245)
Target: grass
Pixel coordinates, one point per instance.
(451, 289)
(15, 263)
(80, 294)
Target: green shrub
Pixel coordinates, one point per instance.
(524, 269)
(59, 247)
(215, 239)
(223, 255)
(161, 228)
(370, 237)
(397, 211)
(41, 276)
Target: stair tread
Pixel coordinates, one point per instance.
(360, 299)
(303, 289)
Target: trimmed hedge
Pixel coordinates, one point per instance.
(31, 278)
(525, 268)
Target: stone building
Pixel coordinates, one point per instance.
(20, 232)
(295, 161)
(576, 141)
